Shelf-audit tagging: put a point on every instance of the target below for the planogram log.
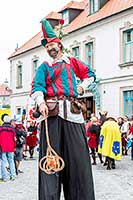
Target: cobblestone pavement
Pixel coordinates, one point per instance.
(109, 184)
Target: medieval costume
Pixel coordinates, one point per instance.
(20, 143)
(31, 139)
(93, 134)
(66, 130)
(110, 140)
(130, 136)
(124, 132)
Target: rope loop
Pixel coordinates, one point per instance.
(52, 162)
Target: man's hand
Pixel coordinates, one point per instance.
(80, 90)
(43, 109)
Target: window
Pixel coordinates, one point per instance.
(128, 46)
(19, 76)
(75, 51)
(18, 111)
(89, 53)
(94, 6)
(65, 17)
(128, 102)
(35, 65)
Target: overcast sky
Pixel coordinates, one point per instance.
(19, 21)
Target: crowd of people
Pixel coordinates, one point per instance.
(109, 137)
(22, 140)
(15, 141)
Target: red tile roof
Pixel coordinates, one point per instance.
(74, 5)
(54, 15)
(31, 44)
(110, 8)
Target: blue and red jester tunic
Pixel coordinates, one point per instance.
(66, 83)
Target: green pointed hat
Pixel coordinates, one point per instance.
(48, 33)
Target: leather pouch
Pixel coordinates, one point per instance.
(53, 108)
(77, 107)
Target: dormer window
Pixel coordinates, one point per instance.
(94, 6)
(65, 17)
(71, 11)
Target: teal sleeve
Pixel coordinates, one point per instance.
(39, 82)
(90, 71)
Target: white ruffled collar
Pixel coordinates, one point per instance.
(63, 58)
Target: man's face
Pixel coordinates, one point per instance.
(125, 119)
(53, 49)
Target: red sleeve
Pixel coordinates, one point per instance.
(14, 135)
(131, 130)
(81, 69)
(88, 133)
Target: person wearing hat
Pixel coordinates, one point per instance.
(56, 82)
(7, 144)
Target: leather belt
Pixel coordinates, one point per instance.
(64, 98)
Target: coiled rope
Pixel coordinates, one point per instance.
(52, 162)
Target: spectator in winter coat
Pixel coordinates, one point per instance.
(20, 140)
(7, 144)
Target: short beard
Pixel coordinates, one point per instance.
(53, 53)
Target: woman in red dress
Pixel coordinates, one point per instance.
(93, 134)
(32, 139)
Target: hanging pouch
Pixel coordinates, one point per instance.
(78, 106)
(53, 107)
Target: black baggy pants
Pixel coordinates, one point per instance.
(69, 141)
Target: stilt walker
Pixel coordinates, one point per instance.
(64, 154)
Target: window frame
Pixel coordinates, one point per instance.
(128, 102)
(65, 17)
(127, 26)
(17, 108)
(33, 70)
(89, 53)
(126, 43)
(19, 77)
(75, 44)
(122, 100)
(35, 65)
(93, 7)
(87, 40)
(74, 50)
